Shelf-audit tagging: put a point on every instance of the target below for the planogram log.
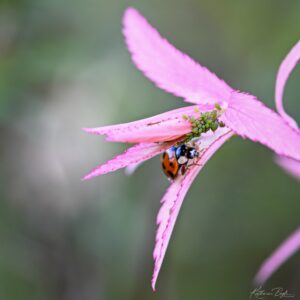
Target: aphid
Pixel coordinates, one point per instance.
(177, 159)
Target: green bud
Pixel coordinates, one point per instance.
(221, 124)
(188, 136)
(195, 130)
(217, 106)
(214, 115)
(205, 115)
(214, 126)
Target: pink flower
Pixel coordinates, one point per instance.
(292, 244)
(288, 64)
(278, 257)
(176, 73)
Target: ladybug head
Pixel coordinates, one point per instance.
(192, 153)
(184, 151)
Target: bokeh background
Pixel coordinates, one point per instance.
(64, 66)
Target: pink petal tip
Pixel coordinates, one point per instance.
(278, 257)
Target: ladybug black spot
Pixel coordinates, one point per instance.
(171, 174)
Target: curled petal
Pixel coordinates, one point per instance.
(249, 118)
(288, 64)
(131, 156)
(163, 127)
(172, 200)
(286, 67)
(278, 257)
(129, 170)
(291, 166)
(170, 69)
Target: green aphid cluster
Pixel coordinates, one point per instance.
(207, 121)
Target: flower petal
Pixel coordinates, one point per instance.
(291, 166)
(133, 155)
(286, 67)
(249, 118)
(278, 257)
(172, 200)
(163, 127)
(170, 69)
(130, 169)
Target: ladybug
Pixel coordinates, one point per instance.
(176, 160)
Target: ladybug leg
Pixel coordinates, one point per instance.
(184, 168)
(192, 164)
(193, 144)
(196, 146)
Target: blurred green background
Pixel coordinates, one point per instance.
(64, 66)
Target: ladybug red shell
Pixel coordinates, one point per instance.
(170, 163)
